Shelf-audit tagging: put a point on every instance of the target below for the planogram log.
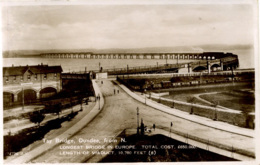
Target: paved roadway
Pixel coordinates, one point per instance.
(119, 113)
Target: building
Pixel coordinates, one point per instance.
(29, 83)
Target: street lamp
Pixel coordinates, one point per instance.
(81, 100)
(145, 96)
(98, 98)
(23, 99)
(137, 109)
(159, 100)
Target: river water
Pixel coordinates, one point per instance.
(246, 60)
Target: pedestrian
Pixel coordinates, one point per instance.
(154, 127)
(101, 82)
(117, 91)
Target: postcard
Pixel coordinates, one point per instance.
(130, 82)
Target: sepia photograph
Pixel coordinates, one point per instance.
(130, 81)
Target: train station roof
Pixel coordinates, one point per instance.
(34, 69)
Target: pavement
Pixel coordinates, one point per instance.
(208, 145)
(65, 135)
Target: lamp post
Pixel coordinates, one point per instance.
(137, 110)
(145, 96)
(81, 100)
(98, 102)
(159, 100)
(23, 98)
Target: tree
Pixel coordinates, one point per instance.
(36, 117)
(191, 100)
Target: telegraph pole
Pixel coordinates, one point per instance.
(137, 109)
(23, 99)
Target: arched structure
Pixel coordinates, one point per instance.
(8, 99)
(215, 67)
(47, 92)
(27, 81)
(27, 95)
(199, 69)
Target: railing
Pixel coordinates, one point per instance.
(75, 76)
(228, 73)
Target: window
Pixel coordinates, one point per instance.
(44, 76)
(55, 75)
(29, 77)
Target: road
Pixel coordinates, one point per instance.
(119, 113)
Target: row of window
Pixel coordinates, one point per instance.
(29, 77)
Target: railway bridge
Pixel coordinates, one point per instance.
(183, 56)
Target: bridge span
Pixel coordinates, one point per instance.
(183, 56)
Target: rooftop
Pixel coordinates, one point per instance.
(34, 69)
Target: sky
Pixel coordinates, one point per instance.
(126, 26)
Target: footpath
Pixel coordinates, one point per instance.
(206, 145)
(36, 152)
